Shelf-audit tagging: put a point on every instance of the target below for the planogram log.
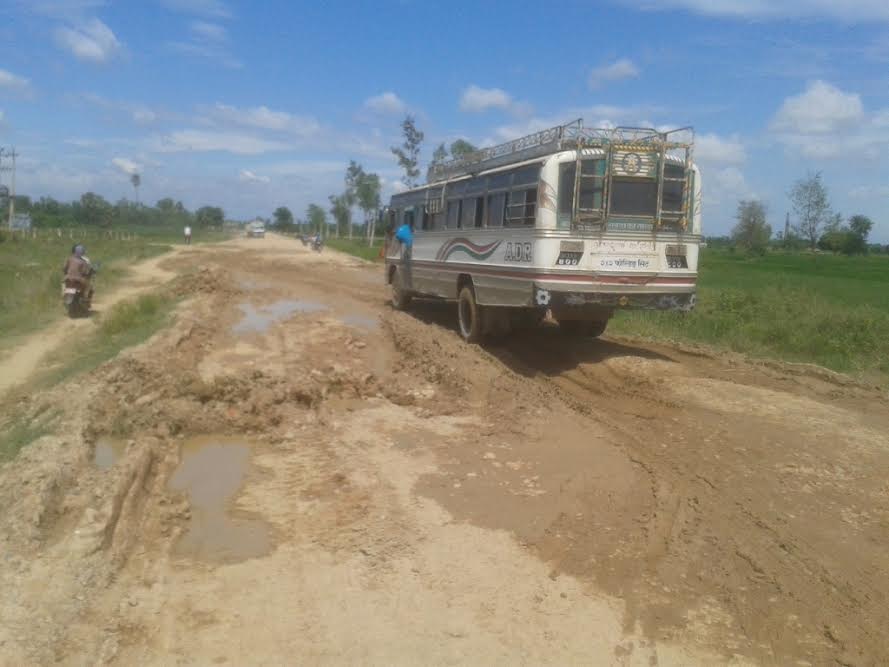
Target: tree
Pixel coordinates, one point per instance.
(317, 218)
(341, 212)
(752, 232)
(439, 155)
(209, 216)
(283, 218)
(461, 148)
(812, 208)
(409, 152)
(369, 201)
(354, 174)
(860, 226)
(136, 180)
(93, 209)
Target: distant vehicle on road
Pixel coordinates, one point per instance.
(256, 229)
(572, 220)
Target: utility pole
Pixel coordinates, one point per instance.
(11, 154)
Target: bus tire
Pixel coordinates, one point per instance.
(401, 299)
(583, 328)
(469, 316)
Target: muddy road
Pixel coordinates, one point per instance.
(293, 473)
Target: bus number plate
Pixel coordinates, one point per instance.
(569, 258)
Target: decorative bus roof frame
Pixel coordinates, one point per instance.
(570, 136)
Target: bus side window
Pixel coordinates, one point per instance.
(496, 209)
(521, 208)
(471, 214)
(453, 213)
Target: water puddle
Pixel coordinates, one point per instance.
(258, 320)
(360, 321)
(108, 451)
(211, 473)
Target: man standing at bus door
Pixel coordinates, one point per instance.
(405, 236)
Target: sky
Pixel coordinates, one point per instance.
(254, 105)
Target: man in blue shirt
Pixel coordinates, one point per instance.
(405, 235)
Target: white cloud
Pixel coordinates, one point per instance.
(207, 50)
(848, 11)
(263, 118)
(476, 99)
(92, 41)
(824, 122)
(208, 8)
(12, 81)
(821, 109)
(126, 165)
(722, 186)
(144, 116)
(209, 31)
(201, 141)
(385, 103)
(868, 191)
(714, 149)
(616, 71)
(247, 176)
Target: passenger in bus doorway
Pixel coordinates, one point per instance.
(405, 235)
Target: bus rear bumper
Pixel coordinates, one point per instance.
(675, 298)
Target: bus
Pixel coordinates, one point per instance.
(572, 221)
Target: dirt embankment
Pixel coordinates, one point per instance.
(295, 470)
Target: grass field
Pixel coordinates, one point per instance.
(823, 309)
(357, 247)
(30, 272)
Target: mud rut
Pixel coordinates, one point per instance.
(380, 492)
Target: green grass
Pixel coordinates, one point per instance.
(358, 248)
(19, 432)
(30, 271)
(829, 310)
(126, 324)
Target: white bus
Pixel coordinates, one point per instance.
(574, 220)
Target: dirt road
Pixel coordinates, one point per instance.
(296, 474)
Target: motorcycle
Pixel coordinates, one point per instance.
(304, 239)
(317, 244)
(77, 296)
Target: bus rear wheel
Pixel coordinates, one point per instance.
(469, 316)
(401, 299)
(583, 328)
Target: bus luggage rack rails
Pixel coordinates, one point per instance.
(564, 137)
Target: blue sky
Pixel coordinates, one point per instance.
(252, 105)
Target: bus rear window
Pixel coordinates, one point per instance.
(633, 197)
(590, 188)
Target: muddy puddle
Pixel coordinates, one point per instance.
(211, 474)
(108, 451)
(258, 319)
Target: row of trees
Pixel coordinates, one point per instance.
(94, 210)
(816, 226)
(362, 188)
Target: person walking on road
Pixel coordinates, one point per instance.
(187, 234)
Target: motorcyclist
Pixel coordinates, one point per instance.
(79, 270)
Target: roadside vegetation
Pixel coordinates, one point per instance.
(358, 248)
(115, 235)
(126, 324)
(817, 308)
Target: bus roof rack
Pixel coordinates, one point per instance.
(569, 136)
